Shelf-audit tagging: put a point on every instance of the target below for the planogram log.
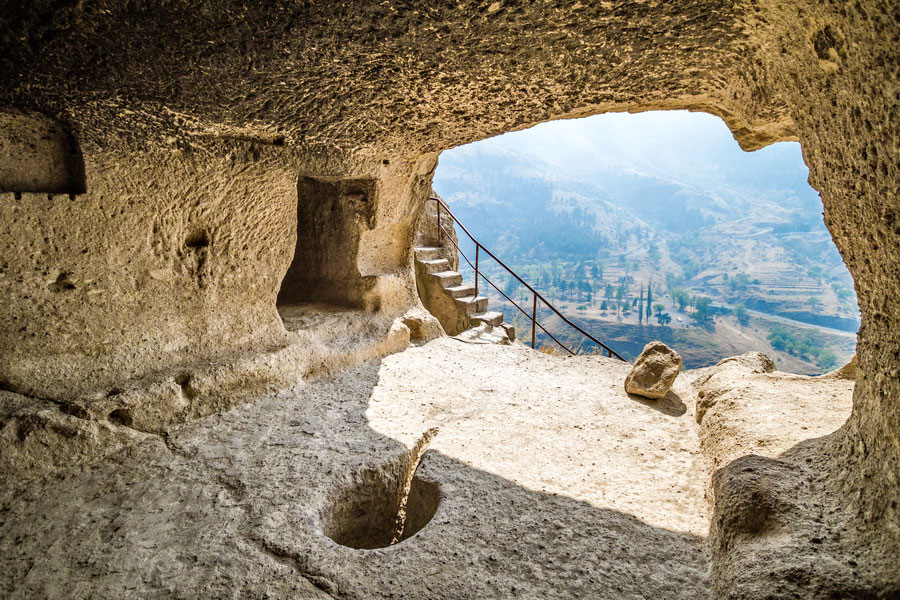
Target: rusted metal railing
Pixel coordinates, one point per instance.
(536, 297)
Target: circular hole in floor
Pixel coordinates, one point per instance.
(375, 511)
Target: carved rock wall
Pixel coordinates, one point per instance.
(837, 70)
(197, 119)
(331, 216)
(166, 259)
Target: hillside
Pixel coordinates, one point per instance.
(596, 210)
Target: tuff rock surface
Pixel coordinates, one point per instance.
(772, 510)
(155, 156)
(526, 490)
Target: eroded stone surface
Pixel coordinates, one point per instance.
(767, 435)
(849, 371)
(189, 223)
(39, 155)
(195, 124)
(39, 435)
(535, 462)
(551, 480)
(744, 409)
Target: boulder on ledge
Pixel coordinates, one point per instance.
(654, 371)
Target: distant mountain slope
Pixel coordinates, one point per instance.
(666, 199)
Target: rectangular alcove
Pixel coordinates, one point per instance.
(331, 216)
(38, 154)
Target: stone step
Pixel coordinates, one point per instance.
(491, 318)
(436, 264)
(483, 334)
(474, 304)
(510, 331)
(459, 291)
(471, 335)
(429, 252)
(449, 278)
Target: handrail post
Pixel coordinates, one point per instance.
(533, 318)
(477, 248)
(440, 230)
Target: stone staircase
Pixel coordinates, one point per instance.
(462, 313)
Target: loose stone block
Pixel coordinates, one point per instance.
(654, 371)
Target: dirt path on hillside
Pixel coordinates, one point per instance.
(820, 328)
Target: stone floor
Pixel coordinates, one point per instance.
(553, 483)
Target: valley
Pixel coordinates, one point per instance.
(729, 246)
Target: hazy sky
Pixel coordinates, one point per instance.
(681, 145)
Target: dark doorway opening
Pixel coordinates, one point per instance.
(332, 214)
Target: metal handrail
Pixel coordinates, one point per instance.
(535, 294)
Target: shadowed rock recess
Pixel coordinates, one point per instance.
(204, 202)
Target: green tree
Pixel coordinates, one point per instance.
(702, 309)
(805, 345)
(641, 306)
(673, 281)
(584, 288)
(544, 279)
(658, 308)
(739, 282)
(653, 253)
(780, 338)
(827, 359)
(681, 298)
(649, 299)
(510, 286)
(740, 312)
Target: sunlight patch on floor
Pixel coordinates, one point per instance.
(557, 426)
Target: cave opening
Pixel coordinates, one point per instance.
(323, 276)
(657, 225)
